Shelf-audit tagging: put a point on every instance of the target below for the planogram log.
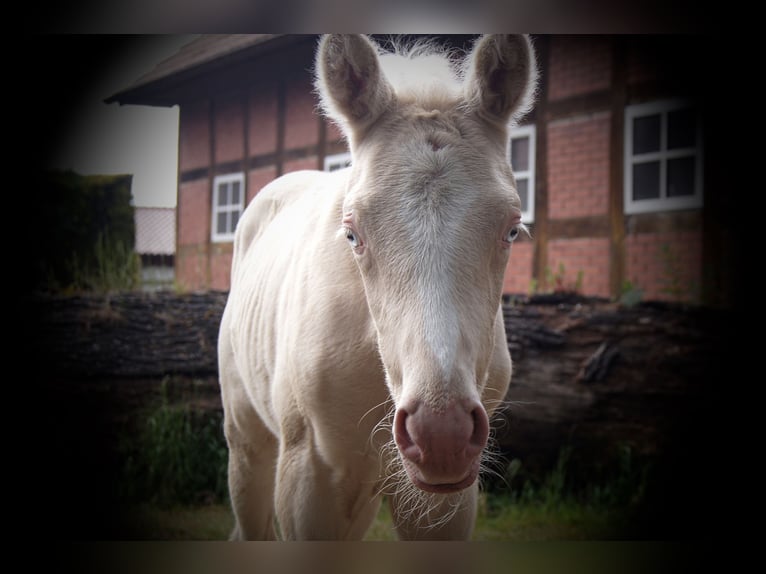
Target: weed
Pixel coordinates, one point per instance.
(178, 456)
(630, 294)
(557, 282)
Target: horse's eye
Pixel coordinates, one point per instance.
(511, 234)
(353, 240)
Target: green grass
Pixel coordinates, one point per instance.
(200, 522)
(499, 519)
(177, 456)
(174, 487)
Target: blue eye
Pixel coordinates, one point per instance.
(353, 240)
(512, 234)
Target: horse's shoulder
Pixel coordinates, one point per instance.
(270, 201)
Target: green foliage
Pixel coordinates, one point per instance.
(557, 282)
(620, 483)
(85, 234)
(178, 456)
(630, 294)
(674, 284)
(559, 507)
(556, 506)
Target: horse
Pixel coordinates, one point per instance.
(362, 349)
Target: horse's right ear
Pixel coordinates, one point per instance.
(352, 88)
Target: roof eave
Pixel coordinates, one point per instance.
(167, 90)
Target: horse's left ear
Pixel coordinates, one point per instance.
(501, 78)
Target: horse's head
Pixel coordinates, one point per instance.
(430, 214)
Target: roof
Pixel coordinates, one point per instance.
(208, 54)
(155, 230)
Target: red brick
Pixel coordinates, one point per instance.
(257, 179)
(191, 269)
(299, 164)
(518, 273)
(675, 274)
(578, 65)
(194, 202)
(220, 266)
(589, 255)
(333, 133)
(301, 119)
(229, 128)
(194, 137)
(578, 166)
(262, 130)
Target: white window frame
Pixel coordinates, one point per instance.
(526, 131)
(662, 203)
(341, 160)
(228, 178)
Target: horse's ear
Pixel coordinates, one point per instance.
(352, 88)
(501, 77)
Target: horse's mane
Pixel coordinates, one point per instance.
(422, 70)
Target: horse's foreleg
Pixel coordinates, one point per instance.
(316, 500)
(252, 467)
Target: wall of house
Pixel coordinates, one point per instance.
(581, 237)
(263, 129)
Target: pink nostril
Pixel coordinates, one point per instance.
(402, 436)
(480, 427)
(441, 446)
(422, 433)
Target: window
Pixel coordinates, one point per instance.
(228, 205)
(663, 157)
(337, 161)
(522, 152)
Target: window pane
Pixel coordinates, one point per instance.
(234, 193)
(234, 220)
(646, 134)
(646, 180)
(223, 198)
(220, 227)
(522, 186)
(681, 176)
(520, 153)
(682, 128)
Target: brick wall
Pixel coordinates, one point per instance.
(193, 213)
(574, 127)
(191, 267)
(579, 65)
(229, 128)
(220, 266)
(311, 162)
(194, 136)
(257, 179)
(665, 265)
(587, 257)
(578, 160)
(262, 119)
(301, 119)
(518, 273)
(243, 121)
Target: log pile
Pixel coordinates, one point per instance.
(587, 372)
(595, 375)
(130, 334)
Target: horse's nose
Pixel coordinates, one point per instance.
(443, 445)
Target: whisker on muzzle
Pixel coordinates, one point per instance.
(413, 506)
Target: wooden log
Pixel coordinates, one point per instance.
(639, 377)
(587, 372)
